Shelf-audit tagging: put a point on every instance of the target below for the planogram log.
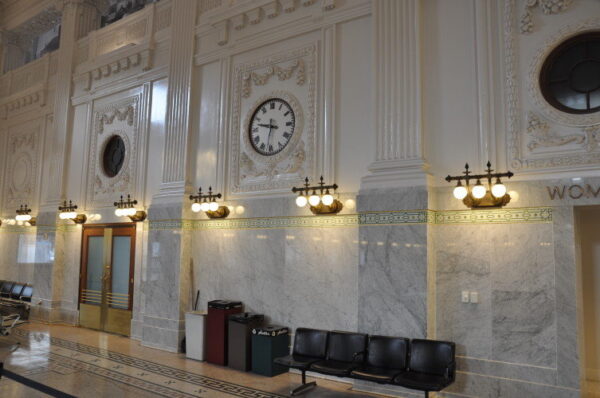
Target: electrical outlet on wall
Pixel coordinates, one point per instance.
(465, 296)
(474, 297)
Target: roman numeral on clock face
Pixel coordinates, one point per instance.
(272, 131)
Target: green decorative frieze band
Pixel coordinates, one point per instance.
(402, 217)
(495, 216)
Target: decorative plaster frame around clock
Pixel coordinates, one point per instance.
(250, 173)
(576, 148)
(102, 189)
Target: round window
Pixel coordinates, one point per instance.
(113, 156)
(570, 76)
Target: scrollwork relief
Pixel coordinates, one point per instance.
(122, 117)
(548, 7)
(283, 73)
(543, 136)
(251, 172)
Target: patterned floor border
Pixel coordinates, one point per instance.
(148, 369)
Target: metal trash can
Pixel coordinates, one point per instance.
(216, 329)
(268, 343)
(240, 342)
(195, 333)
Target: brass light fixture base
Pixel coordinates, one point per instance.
(80, 219)
(322, 209)
(139, 216)
(221, 212)
(32, 222)
(488, 201)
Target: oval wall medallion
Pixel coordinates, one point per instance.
(113, 156)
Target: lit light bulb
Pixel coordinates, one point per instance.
(460, 192)
(301, 201)
(68, 215)
(63, 216)
(196, 207)
(204, 206)
(213, 206)
(23, 217)
(498, 190)
(478, 191)
(327, 199)
(314, 200)
(119, 212)
(130, 211)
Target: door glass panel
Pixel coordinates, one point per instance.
(121, 251)
(92, 294)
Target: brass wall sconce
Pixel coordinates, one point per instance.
(208, 204)
(126, 208)
(478, 196)
(67, 212)
(23, 215)
(322, 202)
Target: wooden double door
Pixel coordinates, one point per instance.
(106, 278)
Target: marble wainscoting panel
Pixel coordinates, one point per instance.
(463, 255)
(166, 274)
(566, 297)
(72, 263)
(321, 278)
(392, 275)
(523, 294)
(14, 267)
(478, 385)
(139, 277)
(45, 302)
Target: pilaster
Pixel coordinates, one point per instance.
(399, 157)
(168, 272)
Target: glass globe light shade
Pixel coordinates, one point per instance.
(63, 216)
(314, 200)
(119, 212)
(213, 206)
(460, 192)
(130, 211)
(478, 191)
(23, 217)
(498, 190)
(67, 215)
(196, 207)
(204, 206)
(301, 201)
(327, 199)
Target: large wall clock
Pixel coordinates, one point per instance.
(272, 126)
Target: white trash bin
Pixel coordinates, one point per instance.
(195, 332)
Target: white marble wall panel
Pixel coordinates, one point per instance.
(393, 280)
(296, 277)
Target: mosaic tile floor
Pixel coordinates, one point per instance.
(87, 363)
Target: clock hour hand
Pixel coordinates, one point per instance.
(270, 126)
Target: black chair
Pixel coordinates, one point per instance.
(16, 290)
(310, 346)
(387, 357)
(6, 289)
(27, 293)
(345, 352)
(431, 366)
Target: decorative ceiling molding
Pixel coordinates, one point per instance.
(254, 16)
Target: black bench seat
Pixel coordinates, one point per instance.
(386, 358)
(426, 365)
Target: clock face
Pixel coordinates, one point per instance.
(271, 127)
(114, 156)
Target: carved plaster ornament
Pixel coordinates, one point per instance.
(548, 7)
(283, 73)
(542, 136)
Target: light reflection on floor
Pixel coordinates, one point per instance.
(87, 363)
